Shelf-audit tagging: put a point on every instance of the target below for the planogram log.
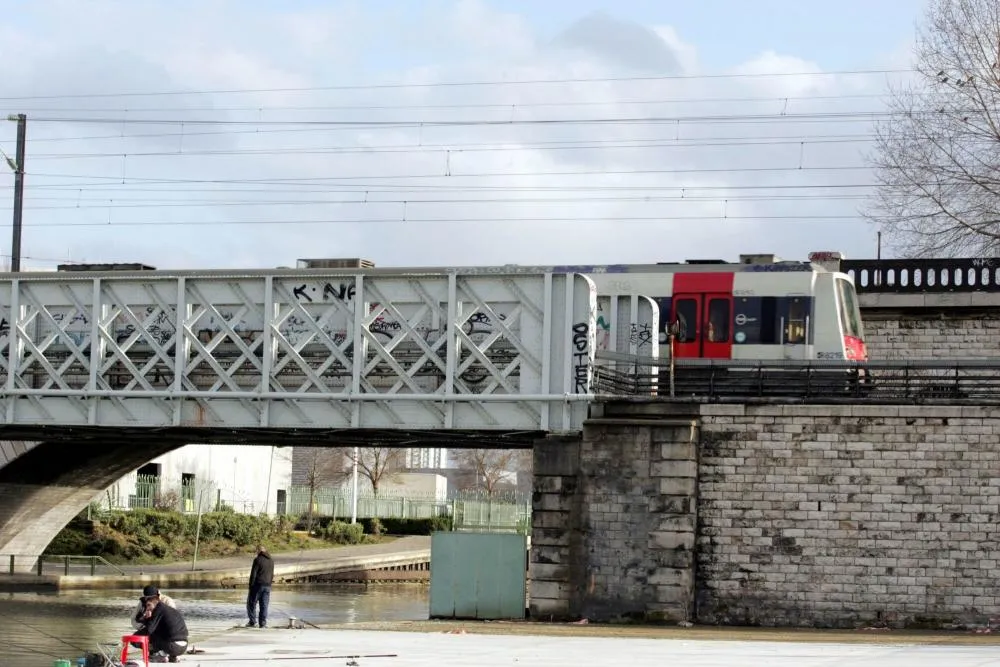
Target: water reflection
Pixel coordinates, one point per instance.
(38, 628)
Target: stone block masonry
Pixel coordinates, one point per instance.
(614, 522)
(834, 516)
(931, 334)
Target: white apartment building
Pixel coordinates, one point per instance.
(426, 457)
(252, 479)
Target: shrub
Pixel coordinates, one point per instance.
(167, 501)
(146, 523)
(243, 529)
(407, 526)
(339, 532)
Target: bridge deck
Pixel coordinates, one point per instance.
(297, 349)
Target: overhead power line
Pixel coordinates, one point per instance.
(363, 188)
(404, 220)
(453, 176)
(839, 116)
(116, 203)
(466, 148)
(453, 84)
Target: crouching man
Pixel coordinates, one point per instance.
(166, 628)
(140, 611)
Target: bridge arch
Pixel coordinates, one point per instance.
(44, 487)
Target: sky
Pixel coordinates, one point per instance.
(249, 134)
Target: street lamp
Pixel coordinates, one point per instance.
(354, 496)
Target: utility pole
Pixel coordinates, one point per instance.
(18, 166)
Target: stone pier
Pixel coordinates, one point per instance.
(615, 517)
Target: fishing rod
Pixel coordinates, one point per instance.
(75, 647)
(299, 657)
(32, 650)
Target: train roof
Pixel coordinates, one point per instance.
(761, 263)
(756, 263)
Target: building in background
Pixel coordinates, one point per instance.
(426, 457)
(251, 479)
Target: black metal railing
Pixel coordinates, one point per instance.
(57, 564)
(975, 382)
(924, 275)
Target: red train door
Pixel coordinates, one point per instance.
(704, 325)
(702, 308)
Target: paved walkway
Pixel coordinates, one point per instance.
(397, 546)
(288, 648)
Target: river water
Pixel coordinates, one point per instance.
(38, 628)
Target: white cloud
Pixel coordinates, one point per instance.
(612, 171)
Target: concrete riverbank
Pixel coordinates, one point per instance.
(450, 644)
(404, 559)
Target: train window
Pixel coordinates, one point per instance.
(768, 320)
(717, 330)
(850, 314)
(795, 324)
(687, 320)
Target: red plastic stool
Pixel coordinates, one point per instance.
(143, 640)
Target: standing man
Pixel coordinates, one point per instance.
(261, 577)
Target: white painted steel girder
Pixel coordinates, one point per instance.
(298, 349)
(627, 324)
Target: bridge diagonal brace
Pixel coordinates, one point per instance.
(226, 331)
(205, 355)
(496, 374)
(59, 333)
(141, 332)
(294, 352)
(408, 333)
(509, 335)
(336, 350)
(119, 353)
(384, 351)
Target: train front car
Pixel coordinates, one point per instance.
(760, 309)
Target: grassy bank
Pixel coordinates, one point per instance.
(144, 537)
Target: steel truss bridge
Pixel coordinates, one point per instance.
(306, 351)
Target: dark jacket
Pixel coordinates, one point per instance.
(166, 625)
(262, 570)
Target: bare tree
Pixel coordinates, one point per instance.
(492, 466)
(379, 464)
(324, 467)
(936, 157)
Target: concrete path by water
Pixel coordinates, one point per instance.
(285, 648)
(397, 546)
(233, 572)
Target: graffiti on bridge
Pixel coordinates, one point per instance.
(581, 357)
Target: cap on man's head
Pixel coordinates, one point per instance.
(150, 592)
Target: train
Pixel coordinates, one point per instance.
(761, 308)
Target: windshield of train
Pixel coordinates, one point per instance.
(850, 314)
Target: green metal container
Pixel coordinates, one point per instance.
(61, 663)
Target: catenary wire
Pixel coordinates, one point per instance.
(828, 116)
(466, 148)
(452, 176)
(454, 84)
(506, 106)
(404, 220)
(114, 203)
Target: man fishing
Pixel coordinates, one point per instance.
(166, 629)
(261, 577)
(147, 593)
